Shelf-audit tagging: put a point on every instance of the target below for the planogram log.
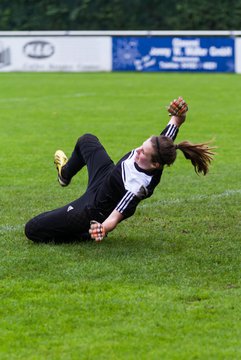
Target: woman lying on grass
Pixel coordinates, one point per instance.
(113, 191)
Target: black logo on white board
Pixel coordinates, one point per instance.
(38, 49)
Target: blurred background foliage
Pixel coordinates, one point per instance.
(120, 15)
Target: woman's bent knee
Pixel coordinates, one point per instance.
(32, 232)
(29, 231)
(86, 138)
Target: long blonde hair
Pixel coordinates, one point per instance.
(200, 154)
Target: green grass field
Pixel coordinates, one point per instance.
(166, 283)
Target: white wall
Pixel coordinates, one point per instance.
(238, 55)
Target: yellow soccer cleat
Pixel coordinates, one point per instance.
(60, 159)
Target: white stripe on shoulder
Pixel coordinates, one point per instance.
(131, 154)
(123, 172)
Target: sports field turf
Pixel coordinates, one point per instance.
(166, 283)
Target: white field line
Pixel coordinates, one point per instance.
(19, 99)
(10, 228)
(76, 95)
(226, 193)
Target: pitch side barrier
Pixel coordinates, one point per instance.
(143, 51)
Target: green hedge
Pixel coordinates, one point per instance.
(120, 15)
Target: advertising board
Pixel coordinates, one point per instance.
(202, 54)
(55, 53)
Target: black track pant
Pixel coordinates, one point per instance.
(71, 222)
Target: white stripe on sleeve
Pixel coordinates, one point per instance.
(171, 131)
(125, 201)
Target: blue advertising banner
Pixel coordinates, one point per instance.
(202, 54)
